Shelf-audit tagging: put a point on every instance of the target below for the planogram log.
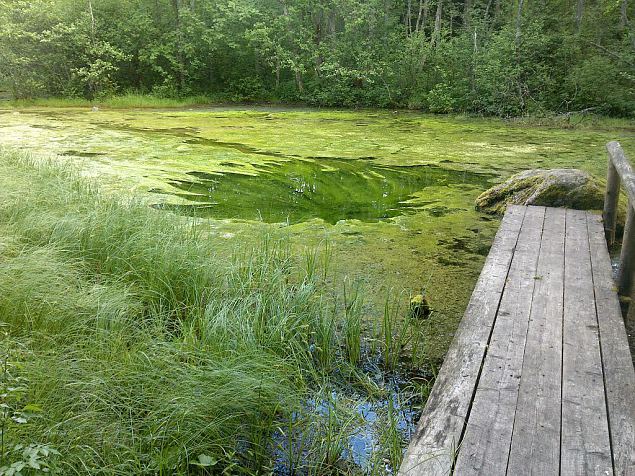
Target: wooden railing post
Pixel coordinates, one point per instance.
(621, 172)
(611, 198)
(627, 255)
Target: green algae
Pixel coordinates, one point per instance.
(301, 190)
(425, 234)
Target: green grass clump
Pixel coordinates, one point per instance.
(50, 102)
(132, 100)
(142, 345)
(123, 101)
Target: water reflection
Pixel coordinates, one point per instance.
(298, 190)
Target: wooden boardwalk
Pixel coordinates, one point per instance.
(539, 379)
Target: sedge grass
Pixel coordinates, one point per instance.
(150, 349)
(123, 101)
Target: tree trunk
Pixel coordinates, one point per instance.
(467, 12)
(176, 6)
(92, 85)
(519, 24)
(473, 63)
(92, 20)
(519, 85)
(299, 81)
(422, 18)
(579, 13)
(489, 5)
(625, 22)
(331, 23)
(277, 74)
(319, 59)
(436, 35)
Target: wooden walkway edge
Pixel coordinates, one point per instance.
(539, 378)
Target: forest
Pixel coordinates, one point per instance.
(488, 57)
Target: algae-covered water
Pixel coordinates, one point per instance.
(390, 192)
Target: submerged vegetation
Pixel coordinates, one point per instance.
(136, 342)
(298, 191)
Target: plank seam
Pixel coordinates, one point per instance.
(564, 280)
(489, 338)
(606, 396)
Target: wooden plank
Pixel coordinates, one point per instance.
(535, 447)
(619, 375)
(431, 450)
(485, 446)
(585, 446)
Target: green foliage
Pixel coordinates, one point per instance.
(441, 55)
(16, 414)
(32, 459)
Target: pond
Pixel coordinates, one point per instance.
(389, 193)
(301, 190)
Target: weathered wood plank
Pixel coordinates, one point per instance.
(485, 446)
(535, 447)
(585, 446)
(619, 375)
(431, 450)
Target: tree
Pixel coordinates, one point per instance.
(482, 56)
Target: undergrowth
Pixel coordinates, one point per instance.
(129, 100)
(134, 343)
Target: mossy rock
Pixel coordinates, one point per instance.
(569, 188)
(420, 307)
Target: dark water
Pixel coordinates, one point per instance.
(301, 189)
(363, 437)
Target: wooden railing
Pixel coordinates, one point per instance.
(621, 172)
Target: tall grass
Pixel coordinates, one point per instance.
(123, 101)
(150, 348)
(352, 323)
